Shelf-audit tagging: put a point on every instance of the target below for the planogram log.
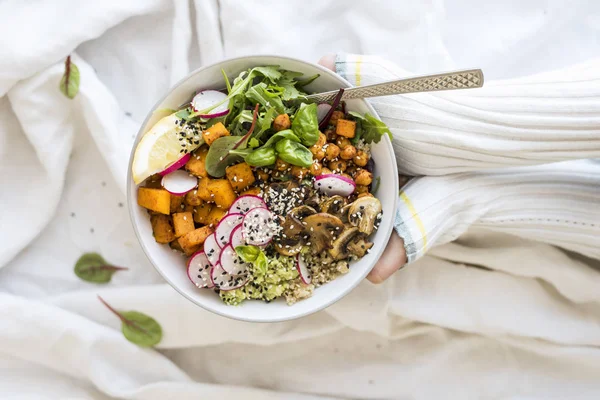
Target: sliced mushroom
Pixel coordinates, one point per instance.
(293, 226)
(335, 205)
(351, 241)
(288, 247)
(321, 229)
(363, 213)
(313, 201)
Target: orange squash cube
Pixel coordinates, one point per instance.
(214, 132)
(158, 200)
(221, 192)
(345, 128)
(240, 176)
(197, 162)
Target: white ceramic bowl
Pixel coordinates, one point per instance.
(172, 266)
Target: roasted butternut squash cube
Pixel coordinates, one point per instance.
(281, 122)
(192, 198)
(335, 117)
(214, 132)
(158, 200)
(345, 128)
(183, 223)
(197, 162)
(203, 191)
(162, 228)
(221, 192)
(201, 213)
(214, 216)
(193, 240)
(176, 203)
(240, 176)
(254, 191)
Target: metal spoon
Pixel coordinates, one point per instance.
(467, 79)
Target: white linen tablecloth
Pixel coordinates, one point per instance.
(487, 316)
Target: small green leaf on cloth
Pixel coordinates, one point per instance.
(69, 84)
(91, 267)
(137, 327)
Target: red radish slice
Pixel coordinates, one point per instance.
(198, 270)
(226, 225)
(176, 165)
(212, 249)
(333, 184)
(179, 182)
(209, 98)
(224, 281)
(237, 238)
(245, 203)
(231, 262)
(303, 271)
(322, 110)
(259, 226)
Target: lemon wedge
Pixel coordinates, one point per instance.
(166, 142)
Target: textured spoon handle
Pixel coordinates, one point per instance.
(468, 79)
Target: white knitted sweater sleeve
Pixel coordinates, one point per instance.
(482, 150)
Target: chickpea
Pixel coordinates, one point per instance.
(325, 171)
(331, 151)
(319, 155)
(342, 142)
(281, 122)
(346, 176)
(299, 172)
(322, 140)
(361, 189)
(331, 135)
(337, 165)
(363, 177)
(348, 153)
(263, 174)
(316, 168)
(335, 116)
(361, 158)
(281, 165)
(365, 194)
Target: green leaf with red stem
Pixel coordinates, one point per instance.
(220, 154)
(91, 267)
(69, 84)
(137, 327)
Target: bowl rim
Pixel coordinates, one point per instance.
(131, 204)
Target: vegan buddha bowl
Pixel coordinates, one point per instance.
(247, 197)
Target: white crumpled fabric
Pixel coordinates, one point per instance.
(488, 316)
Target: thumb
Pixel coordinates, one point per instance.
(328, 62)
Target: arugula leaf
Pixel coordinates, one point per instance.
(137, 327)
(236, 127)
(91, 267)
(69, 84)
(227, 84)
(294, 153)
(259, 94)
(288, 84)
(253, 143)
(265, 121)
(307, 81)
(271, 72)
(306, 125)
(372, 128)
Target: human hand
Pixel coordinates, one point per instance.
(394, 255)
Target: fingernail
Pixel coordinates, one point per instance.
(328, 61)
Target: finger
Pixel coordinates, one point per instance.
(328, 61)
(392, 259)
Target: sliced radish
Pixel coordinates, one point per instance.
(322, 110)
(303, 271)
(245, 203)
(176, 165)
(333, 184)
(199, 270)
(212, 249)
(179, 182)
(209, 98)
(237, 238)
(231, 262)
(225, 281)
(226, 225)
(259, 227)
